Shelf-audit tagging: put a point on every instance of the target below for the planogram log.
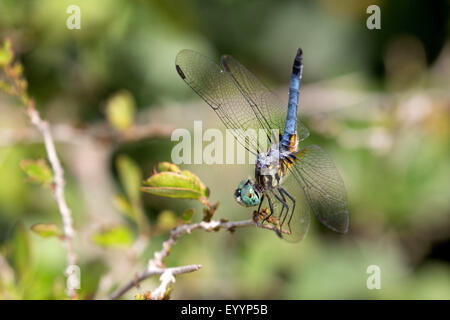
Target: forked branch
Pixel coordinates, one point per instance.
(156, 265)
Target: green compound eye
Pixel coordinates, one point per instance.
(246, 194)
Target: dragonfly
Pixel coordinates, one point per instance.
(289, 181)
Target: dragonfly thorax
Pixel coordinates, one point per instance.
(270, 169)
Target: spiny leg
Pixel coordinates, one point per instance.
(271, 209)
(287, 212)
(259, 214)
(285, 206)
(283, 203)
(283, 191)
(260, 203)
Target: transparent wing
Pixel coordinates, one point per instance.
(323, 187)
(222, 93)
(266, 105)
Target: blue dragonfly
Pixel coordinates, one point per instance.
(289, 181)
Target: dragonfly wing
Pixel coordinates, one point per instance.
(266, 105)
(323, 187)
(217, 88)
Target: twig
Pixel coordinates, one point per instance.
(19, 86)
(167, 276)
(58, 192)
(156, 265)
(159, 256)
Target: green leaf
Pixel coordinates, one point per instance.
(187, 215)
(120, 110)
(167, 166)
(117, 236)
(130, 176)
(37, 171)
(47, 230)
(6, 54)
(175, 185)
(193, 177)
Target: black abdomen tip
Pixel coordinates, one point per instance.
(298, 61)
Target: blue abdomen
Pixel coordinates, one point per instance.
(294, 87)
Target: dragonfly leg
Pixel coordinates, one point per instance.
(287, 211)
(283, 191)
(283, 203)
(285, 207)
(270, 207)
(260, 203)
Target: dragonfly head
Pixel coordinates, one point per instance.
(246, 194)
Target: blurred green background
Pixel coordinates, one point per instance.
(377, 100)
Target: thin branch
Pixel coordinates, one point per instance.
(156, 265)
(19, 89)
(159, 256)
(58, 192)
(149, 272)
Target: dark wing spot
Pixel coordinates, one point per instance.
(180, 72)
